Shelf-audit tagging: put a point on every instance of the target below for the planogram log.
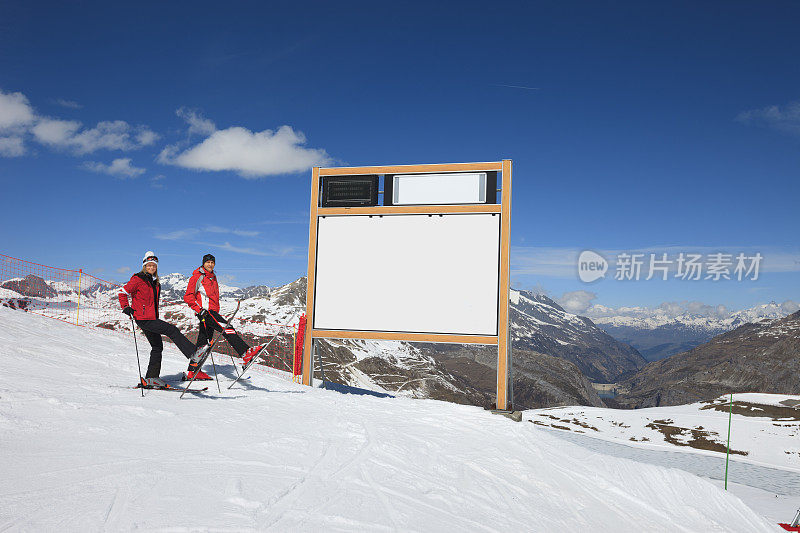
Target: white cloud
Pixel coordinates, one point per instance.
(69, 104)
(178, 234)
(239, 232)
(15, 111)
(18, 119)
(786, 118)
(108, 135)
(563, 262)
(240, 250)
(122, 270)
(145, 136)
(271, 251)
(155, 181)
(193, 232)
(198, 124)
(54, 131)
(545, 261)
(11, 146)
(250, 154)
(119, 168)
(576, 302)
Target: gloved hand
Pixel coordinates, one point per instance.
(128, 311)
(203, 314)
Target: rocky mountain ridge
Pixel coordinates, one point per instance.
(659, 333)
(762, 356)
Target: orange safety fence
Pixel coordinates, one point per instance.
(82, 299)
(64, 294)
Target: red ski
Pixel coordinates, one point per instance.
(795, 525)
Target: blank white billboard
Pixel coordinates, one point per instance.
(408, 273)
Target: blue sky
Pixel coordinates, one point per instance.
(189, 128)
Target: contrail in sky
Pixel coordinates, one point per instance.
(519, 87)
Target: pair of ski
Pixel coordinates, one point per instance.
(204, 357)
(208, 351)
(172, 389)
(244, 369)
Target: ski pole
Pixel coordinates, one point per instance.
(728, 447)
(210, 347)
(138, 364)
(215, 372)
(206, 328)
(211, 354)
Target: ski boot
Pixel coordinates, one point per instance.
(252, 352)
(154, 383)
(197, 375)
(199, 355)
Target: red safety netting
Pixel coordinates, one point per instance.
(281, 340)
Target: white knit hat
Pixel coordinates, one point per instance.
(153, 259)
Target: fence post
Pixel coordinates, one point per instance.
(78, 312)
(294, 349)
(728, 447)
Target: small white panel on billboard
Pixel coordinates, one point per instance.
(408, 273)
(442, 189)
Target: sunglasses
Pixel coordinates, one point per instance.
(151, 258)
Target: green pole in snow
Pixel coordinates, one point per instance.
(728, 450)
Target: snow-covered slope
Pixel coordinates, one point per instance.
(82, 452)
(765, 427)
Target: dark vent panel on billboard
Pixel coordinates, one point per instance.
(349, 191)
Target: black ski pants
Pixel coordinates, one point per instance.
(215, 322)
(153, 329)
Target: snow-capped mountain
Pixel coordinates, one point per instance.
(661, 332)
(541, 325)
(762, 356)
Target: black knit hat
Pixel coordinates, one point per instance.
(208, 257)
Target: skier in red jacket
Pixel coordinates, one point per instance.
(202, 295)
(144, 290)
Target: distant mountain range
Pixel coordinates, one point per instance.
(759, 357)
(557, 354)
(657, 334)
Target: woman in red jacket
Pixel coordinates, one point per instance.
(144, 290)
(202, 295)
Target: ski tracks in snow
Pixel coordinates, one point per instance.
(81, 458)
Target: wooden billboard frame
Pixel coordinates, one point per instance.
(501, 340)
